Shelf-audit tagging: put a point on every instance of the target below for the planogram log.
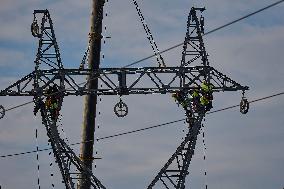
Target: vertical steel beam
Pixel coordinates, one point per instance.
(91, 100)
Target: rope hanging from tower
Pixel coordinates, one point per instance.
(37, 158)
(154, 46)
(204, 155)
(51, 167)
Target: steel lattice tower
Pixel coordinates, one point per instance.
(121, 81)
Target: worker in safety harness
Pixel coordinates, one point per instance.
(48, 98)
(207, 96)
(178, 97)
(39, 105)
(195, 95)
(52, 101)
(184, 100)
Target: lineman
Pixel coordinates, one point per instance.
(177, 96)
(48, 98)
(185, 101)
(52, 101)
(207, 96)
(39, 105)
(195, 100)
(182, 99)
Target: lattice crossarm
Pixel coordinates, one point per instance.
(179, 78)
(222, 82)
(26, 85)
(19, 88)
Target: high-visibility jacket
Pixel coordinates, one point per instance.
(51, 103)
(54, 106)
(195, 94)
(48, 103)
(204, 101)
(206, 87)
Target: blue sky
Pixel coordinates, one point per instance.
(243, 151)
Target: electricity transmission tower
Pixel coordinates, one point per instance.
(189, 75)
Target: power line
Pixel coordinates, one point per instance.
(138, 130)
(146, 128)
(39, 150)
(160, 125)
(173, 47)
(209, 32)
(252, 101)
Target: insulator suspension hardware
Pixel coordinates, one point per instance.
(35, 29)
(2, 111)
(120, 109)
(244, 105)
